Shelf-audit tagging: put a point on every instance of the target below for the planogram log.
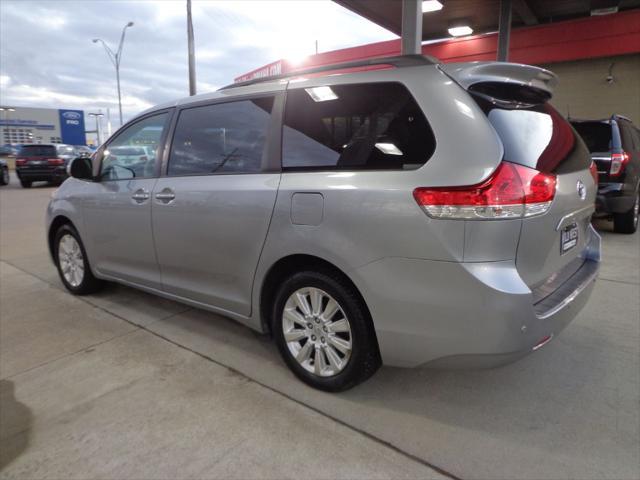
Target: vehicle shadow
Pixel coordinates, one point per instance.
(15, 424)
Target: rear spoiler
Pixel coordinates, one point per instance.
(471, 74)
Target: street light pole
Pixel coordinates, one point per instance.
(115, 60)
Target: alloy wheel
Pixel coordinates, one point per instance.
(317, 331)
(71, 260)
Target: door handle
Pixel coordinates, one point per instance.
(166, 195)
(140, 195)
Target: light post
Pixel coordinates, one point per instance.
(115, 60)
(97, 116)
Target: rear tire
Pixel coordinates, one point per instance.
(4, 178)
(320, 338)
(627, 222)
(25, 183)
(72, 263)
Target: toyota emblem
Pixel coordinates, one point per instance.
(582, 190)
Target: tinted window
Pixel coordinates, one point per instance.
(597, 135)
(626, 135)
(227, 137)
(537, 137)
(134, 152)
(368, 126)
(38, 151)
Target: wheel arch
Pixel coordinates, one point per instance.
(56, 223)
(290, 264)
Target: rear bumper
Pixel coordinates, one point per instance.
(612, 198)
(467, 315)
(45, 174)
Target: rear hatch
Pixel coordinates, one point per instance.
(35, 157)
(602, 139)
(515, 100)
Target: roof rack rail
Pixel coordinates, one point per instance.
(397, 61)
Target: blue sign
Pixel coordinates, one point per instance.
(72, 127)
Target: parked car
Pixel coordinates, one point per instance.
(83, 151)
(614, 144)
(421, 214)
(43, 162)
(135, 158)
(4, 172)
(8, 150)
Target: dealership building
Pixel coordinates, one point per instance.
(20, 125)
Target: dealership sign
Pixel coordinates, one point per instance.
(72, 127)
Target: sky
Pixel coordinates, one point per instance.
(47, 58)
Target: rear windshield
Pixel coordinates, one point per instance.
(597, 135)
(38, 151)
(537, 137)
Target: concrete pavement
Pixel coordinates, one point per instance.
(569, 411)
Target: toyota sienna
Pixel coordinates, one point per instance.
(411, 214)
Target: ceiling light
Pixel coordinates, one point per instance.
(321, 94)
(431, 6)
(388, 148)
(460, 30)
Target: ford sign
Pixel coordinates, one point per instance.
(71, 115)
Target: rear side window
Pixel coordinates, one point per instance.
(355, 127)
(597, 135)
(221, 138)
(38, 151)
(537, 136)
(626, 134)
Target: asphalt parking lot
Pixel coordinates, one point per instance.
(123, 384)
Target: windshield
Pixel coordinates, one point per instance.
(38, 151)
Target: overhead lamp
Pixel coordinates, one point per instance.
(459, 28)
(388, 148)
(431, 6)
(321, 94)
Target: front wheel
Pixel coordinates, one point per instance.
(25, 183)
(627, 222)
(73, 265)
(323, 331)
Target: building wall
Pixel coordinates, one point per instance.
(42, 125)
(583, 91)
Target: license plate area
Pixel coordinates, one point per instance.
(568, 238)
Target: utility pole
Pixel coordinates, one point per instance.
(115, 58)
(192, 55)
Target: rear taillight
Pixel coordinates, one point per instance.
(21, 161)
(618, 162)
(55, 161)
(593, 169)
(512, 191)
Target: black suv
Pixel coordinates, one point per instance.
(43, 162)
(615, 148)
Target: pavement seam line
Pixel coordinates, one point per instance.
(626, 282)
(364, 433)
(70, 354)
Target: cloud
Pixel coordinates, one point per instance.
(47, 58)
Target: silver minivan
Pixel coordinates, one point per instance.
(411, 214)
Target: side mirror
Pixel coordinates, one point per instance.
(80, 168)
